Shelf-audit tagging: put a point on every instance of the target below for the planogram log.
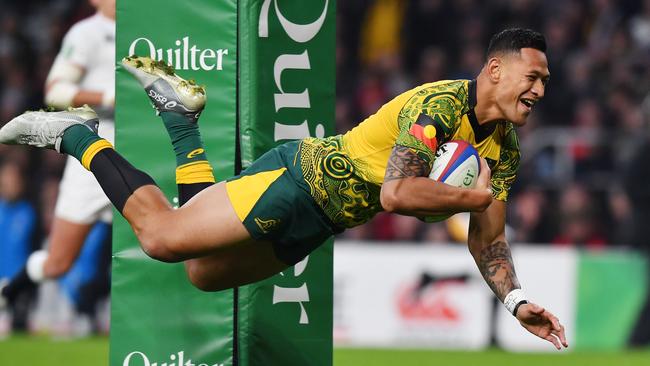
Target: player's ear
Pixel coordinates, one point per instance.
(494, 68)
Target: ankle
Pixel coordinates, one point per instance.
(76, 139)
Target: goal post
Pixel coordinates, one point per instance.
(237, 49)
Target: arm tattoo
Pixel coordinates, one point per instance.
(404, 162)
(495, 264)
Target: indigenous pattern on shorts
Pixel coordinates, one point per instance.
(345, 172)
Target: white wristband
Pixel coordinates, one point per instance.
(513, 299)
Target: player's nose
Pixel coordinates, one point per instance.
(538, 89)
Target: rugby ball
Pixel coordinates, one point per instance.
(457, 164)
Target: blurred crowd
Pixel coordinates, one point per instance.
(30, 38)
(580, 139)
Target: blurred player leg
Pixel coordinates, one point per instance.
(98, 288)
(80, 204)
(65, 242)
(83, 73)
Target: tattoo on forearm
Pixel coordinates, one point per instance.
(404, 162)
(495, 264)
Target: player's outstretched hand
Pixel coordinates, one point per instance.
(542, 323)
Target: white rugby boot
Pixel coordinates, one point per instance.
(167, 91)
(45, 129)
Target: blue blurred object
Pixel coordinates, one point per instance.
(86, 267)
(17, 224)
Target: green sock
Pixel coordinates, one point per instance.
(77, 139)
(185, 137)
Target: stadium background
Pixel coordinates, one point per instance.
(576, 146)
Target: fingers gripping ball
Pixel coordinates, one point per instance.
(457, 164)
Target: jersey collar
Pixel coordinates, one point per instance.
(480, 132)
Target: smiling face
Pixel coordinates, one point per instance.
(520, 78)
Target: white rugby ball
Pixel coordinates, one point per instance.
(457, 164)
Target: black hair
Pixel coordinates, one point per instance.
(514, 39)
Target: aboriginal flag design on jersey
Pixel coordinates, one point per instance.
(424, 129)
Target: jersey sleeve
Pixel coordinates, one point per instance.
(505, 172)
(426, 121)
(77, 47)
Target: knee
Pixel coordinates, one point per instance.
(208, 282)
(158, 246)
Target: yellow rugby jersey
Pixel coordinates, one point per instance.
(345, 172)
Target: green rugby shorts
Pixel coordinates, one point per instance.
(274, 203)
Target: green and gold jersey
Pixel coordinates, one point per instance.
(345, 172)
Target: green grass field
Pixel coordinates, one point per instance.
(492, 357)
(44, 351)
(38, 351)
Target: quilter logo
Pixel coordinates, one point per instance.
(137, 358)
(299, 295)
(184, 55)
(301, 34)
(294, 73)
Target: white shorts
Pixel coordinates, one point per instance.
(81, 200)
